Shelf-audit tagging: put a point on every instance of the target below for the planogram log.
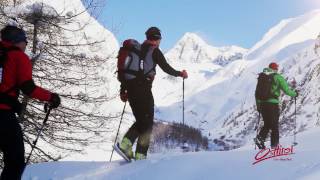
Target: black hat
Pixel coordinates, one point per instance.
(13, 34)
(153, 33)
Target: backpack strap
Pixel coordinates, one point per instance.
(143, 54)
(272, 81)
(155, 65)
(132, 72)
(151, 48)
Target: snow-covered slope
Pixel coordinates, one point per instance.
(304, 68)
(229, 93)
(287, 34)
(236, 164)
(291, 44)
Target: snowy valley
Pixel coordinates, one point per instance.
(219, 101)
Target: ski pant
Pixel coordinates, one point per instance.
(270, 114)
(142, 105)
(11, 144)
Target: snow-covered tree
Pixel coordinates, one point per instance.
(62, 62)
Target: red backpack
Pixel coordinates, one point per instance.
(129, 60)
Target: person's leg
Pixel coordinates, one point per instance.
(137, 110)
(267, 122)
(13, 149)
(145, 126)
(275, 113)
(136, 102)
(132, 134)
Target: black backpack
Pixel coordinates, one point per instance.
(263, 89)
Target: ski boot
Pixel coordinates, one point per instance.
(140, 156)
(124, 149)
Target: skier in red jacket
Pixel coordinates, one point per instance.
(15, 75)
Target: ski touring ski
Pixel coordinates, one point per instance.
(123, 155)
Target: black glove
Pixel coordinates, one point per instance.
(124, 96)
(54, 100)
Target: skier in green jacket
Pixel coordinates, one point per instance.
(269, 108)
(317, 45)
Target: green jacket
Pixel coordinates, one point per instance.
(278, 84)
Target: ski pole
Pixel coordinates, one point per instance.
(257, 128)
(39, 133)
(115, 140)
(294, 85)
(295, 122)
(183, 101)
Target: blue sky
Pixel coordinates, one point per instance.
(219, 22)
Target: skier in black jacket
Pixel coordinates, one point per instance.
(138, 92)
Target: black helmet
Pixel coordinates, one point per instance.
(153, 33)
(13, 34)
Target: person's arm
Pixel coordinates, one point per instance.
(123, 87)
(284, 86)
(25, 81)
(123, 92)
(162, 62)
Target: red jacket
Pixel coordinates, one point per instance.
(17, 71)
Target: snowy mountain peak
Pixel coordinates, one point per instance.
(192, 39)
(191, 48)
(287, 34)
